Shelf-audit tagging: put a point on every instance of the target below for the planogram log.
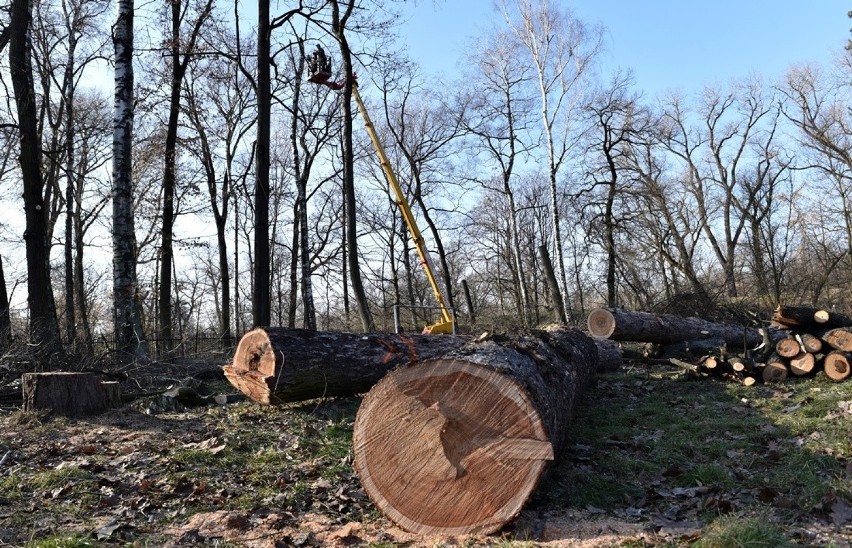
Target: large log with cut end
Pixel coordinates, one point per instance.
(277, 365)
(809, 317)
(623, 325)
(456, 445)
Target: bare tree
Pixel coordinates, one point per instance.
(181, 50)
(128, 314)
(261, 295)
(614, 116)
(499, 120)
(423, 130)
(5, 316)
(818, 106)
(217, 105)
(44, 328)
(341, 14)
(717, 157)
(562, 49)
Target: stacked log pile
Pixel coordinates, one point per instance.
(816, 339)
(799, 341)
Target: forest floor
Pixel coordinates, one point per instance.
(656, 459)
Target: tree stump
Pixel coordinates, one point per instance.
(69, 394)
(278, 365)
(456, 445)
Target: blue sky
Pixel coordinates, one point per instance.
(668, 44)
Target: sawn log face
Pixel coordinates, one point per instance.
(456, 445)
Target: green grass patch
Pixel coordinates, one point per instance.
(735, 531)
(705, 473)
(62, 542)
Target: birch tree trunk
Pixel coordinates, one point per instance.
(562, 49)
(129, 335)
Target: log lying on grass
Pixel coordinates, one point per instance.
(623, 325)
(456, 445)
(278, 365)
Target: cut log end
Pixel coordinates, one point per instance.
(788, 347)
(837, 365)
(774, 371)
(254, 363)
(449, 447)
(802, 364)
(255, 353)
(601, 323)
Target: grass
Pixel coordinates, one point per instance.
(63, 542)
(732, 457)
(739, 532)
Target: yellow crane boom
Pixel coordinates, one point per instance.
(446, 324)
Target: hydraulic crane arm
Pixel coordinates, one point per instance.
(320, 68)
(445, 325)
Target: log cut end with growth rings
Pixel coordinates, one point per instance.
(432, 469)
(456, 445)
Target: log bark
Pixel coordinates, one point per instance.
(69, 394)
(623, 325)
(278, 365)
(690, 349)
(829, 320)
(837, 365)
(609, 355)
(839, 338)
(808, 318)
(795, 316)
(456, 445)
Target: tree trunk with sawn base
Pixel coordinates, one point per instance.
(456, 445)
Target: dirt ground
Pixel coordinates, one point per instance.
(244, 475)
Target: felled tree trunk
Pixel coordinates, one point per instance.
(456, 445)
(277, 365)
(610, 357)
(623, 325)
(69, 394)
(809, 317)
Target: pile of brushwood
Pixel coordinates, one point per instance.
(799, 341)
